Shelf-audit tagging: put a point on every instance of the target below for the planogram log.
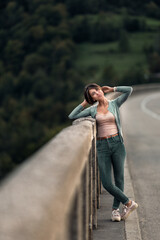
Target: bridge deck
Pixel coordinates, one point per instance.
(108, 230)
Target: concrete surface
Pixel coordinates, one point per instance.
(107, 230)
(141, 120)
(124, 230)
(34, 199)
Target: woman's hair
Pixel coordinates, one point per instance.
(86, 92)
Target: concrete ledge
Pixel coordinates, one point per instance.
(145, 87)
(132, 228)
(35, 199)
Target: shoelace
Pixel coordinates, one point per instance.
(124, 209)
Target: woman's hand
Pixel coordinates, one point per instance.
(107, 89)
(84, 103)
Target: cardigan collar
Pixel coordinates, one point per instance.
(95, 108)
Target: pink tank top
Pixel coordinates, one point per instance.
(106, 124)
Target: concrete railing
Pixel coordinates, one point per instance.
(54, 195)
(145, 87)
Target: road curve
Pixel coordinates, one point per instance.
(140, 116)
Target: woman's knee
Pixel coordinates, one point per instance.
(108, 186)
(119, 181)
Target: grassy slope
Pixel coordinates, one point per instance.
(97, 56)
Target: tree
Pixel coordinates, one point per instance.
(152, 9)
(157, 42)
(154, 62)
(124, 44)
(14, 54)
(134, 75)
(33, 62)
(6, 164)
(109, 76)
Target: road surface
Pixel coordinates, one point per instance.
(140, 115)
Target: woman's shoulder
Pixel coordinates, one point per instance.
(113, 103)
(93, 107)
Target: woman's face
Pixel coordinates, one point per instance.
(96, 94)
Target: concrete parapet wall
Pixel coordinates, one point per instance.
(145, 87)
(35, 200)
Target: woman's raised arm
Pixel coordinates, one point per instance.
(126, 92)
(78, 112)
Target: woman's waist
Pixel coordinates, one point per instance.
(107, 136)
(102, 132)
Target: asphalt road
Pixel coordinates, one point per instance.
(141, 128)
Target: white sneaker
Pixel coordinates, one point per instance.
(115, 216)
(127, 210)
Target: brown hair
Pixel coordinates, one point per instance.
(86, 92)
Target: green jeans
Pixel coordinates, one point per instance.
(111, 152)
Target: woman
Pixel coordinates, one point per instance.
(110, 146)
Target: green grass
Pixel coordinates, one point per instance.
(97, 56)
(155, 23)
(114, 17)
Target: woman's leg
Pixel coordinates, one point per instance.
(118, 159)
(104, 153)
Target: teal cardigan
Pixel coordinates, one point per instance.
(113, 107)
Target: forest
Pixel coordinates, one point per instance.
(49, 50)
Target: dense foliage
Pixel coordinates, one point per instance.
(36, 76)
(75, 7)
(39, 82)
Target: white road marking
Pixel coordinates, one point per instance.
(147, 110)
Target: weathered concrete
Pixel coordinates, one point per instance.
(143, 146)
(132, 228)
(36, 198)
(145, 87)
(108, 230)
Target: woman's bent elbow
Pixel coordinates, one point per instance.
(131, 90)
(70, 116)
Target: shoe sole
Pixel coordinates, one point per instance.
(134, 208)
(116, 220)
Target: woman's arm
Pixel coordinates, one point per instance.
(78, 112)
(107, 89)
(126, 92)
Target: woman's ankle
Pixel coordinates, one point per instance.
(115, 209)
(129, 203)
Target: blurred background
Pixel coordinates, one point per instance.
(50, 49)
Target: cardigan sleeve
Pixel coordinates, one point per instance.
(78, 112)
(126, 92)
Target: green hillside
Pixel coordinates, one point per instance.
(94, 57)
